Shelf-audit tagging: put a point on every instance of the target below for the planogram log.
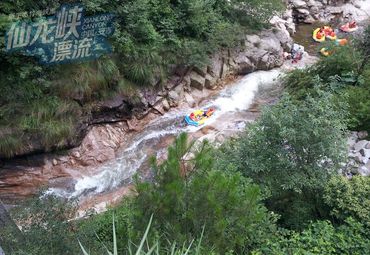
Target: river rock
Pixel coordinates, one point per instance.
(298, 3)
(360, 145)
(166, 105)
(365, 153)
(362, 134)
(210, 82)
(197, 81)
(363, 171)
(190, 100)
(303, 11)
(244, 65)
(173, 98)
(214, 69)
(253, 39)
(269, 61)
(309, 20)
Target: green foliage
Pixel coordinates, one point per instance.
(349, 198)
(358, 99)
(46, 228)
(340, 67)
(321, 238)
(292, 151)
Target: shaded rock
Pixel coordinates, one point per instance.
(309, 20)
(166, 105)
(362, 134)
(244, 65)
(351, 141)
(225, 70)
(197, 81)
(201, 71)
(210, 82)
(298, 3)
(363, 171)
(365, 153)
(190, 100)
(159, 108)
(215, 67)
(173, 98)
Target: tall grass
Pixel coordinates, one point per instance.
(144, 248)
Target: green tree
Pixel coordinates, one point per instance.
(186, 195)
(292, 151)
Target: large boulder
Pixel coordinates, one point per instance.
(210, 82)
(197, 81)
(244, 65)
(269, 61)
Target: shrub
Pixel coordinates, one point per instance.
(321, 238)
(349, 198)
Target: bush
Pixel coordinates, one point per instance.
(349, 198)
(321, 238)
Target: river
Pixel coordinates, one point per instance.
(236, 105)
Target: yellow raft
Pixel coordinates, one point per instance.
(325, 52)
(198, 117)
(314, 36)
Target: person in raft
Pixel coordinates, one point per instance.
(320, 33)
(208, 113)
(352, 24)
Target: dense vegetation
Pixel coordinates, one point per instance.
(48, 104)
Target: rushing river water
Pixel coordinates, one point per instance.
(106, 183)
(229, 104)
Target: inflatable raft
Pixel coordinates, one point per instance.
(318, 36)
(199, 117)
(325, 52)
(349, 27)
